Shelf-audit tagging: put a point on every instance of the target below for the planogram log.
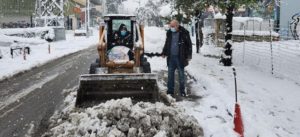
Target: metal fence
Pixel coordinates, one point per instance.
(280, 58)
(253, 47)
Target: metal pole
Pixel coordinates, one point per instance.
(88, 14)
(271, 48)
(244, 43)
(234, 73)
(86, 18)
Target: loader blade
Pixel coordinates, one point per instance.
(95, 88)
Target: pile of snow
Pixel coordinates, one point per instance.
(13, 31)
(255, 33)
(122, 118)
(38, 32)
(11, 39)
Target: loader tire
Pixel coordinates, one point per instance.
(93, 68)
(97, 61)
(146, 67)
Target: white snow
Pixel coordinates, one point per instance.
(245, 19)
(131, 6)
(11, 39)
(219, 16)
(165, 10)
(36, 30)
(39, 54)
(256, 33)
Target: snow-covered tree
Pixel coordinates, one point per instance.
(185, 7)
(150, 13)
(112, 6)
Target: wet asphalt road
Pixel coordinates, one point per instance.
(28, 100)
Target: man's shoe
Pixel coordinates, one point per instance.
(170, 93)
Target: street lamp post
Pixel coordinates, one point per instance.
(87, 17)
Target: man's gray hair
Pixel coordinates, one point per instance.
(176, 22)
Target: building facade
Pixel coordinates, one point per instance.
(16, 12)
(21, 13)
(288, 8)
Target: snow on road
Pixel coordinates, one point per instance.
(39, 53)
(23, 93)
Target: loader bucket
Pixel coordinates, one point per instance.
(96, 88)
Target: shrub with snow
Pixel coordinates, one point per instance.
(49, 36)
(120, 118)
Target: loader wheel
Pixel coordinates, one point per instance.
(146, 67)
(97, 61)
(93, 68)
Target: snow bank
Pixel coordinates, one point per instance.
(122, 118)
(34, 33)
(12, 31)
(39, 54)
(245, 19)
(11, 39)
(255, 33)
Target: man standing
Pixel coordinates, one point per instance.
(178, 49)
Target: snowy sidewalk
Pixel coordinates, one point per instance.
(39, 54)
(269, 104)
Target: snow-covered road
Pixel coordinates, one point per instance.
(28, 100)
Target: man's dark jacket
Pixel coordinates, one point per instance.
(184, 43)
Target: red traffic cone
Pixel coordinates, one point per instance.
(238, 123)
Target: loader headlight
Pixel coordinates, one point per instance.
(132, 18)
(106, 18)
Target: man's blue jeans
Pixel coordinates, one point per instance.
(174, 64)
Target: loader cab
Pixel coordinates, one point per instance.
(133, 43)
(113, 24)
